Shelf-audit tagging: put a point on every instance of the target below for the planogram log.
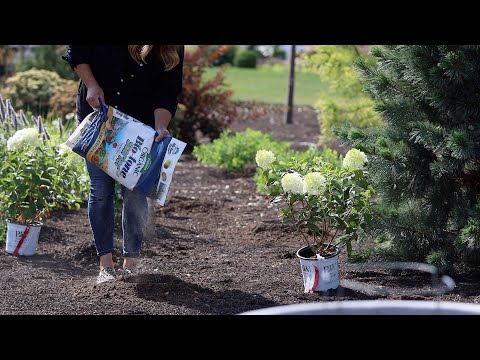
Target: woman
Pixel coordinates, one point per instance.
(143, 81)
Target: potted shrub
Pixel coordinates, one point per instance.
(34, 179)
(328, 206)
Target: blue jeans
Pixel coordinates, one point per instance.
(102, 218)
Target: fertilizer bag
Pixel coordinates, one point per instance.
(124, 148)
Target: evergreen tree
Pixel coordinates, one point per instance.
(425, 162)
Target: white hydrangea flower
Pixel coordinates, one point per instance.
(27, 136)
(354, 159)
(293, 182)
(264, 158)
(314, 183)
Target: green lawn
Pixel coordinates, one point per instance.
(270, 86)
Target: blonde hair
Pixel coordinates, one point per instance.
(168, 54)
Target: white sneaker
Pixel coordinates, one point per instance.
(106, 274)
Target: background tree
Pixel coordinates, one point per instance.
(343, 101)
(32, 90)
(226, 57)
(425, 163)
(205, 106)
(47, 57)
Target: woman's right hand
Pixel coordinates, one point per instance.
(93, 93)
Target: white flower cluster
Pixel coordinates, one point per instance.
(264, 158)
(354, 159)
(292, 182)
(27, 136)
(314, 183)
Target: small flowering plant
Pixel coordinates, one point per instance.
(35, 178)
(328, 206)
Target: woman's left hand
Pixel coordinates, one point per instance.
(162, 132)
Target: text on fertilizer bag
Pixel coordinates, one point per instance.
(132, 154)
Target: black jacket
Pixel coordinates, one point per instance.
(137, 90)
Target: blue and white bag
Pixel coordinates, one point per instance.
(125, 149)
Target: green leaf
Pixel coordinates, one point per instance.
(314, 228)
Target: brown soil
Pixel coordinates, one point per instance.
(215, 248)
